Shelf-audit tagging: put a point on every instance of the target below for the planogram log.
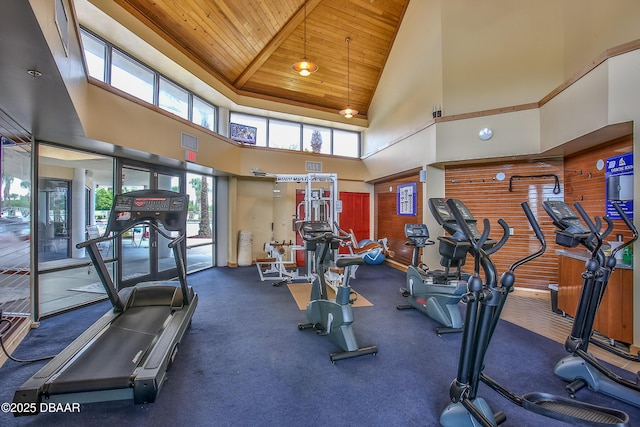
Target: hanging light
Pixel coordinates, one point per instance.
(304, 67)
(348, 112)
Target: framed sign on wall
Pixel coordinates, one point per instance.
(407, 199)
(619, 177)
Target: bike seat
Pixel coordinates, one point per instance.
(349, 260)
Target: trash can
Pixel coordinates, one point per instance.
(245, 245)
(553, 287)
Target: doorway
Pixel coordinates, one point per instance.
(144, 253)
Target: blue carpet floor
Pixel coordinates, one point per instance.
(244, 362)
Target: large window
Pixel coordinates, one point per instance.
(204, 114)
(316, 139)
(112, 66)
(173, 98)
(284, 135)
(131, 76)
(299, 136)
(95, 52)
(108, 64)
(346, 143)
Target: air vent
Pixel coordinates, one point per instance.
(189, 142)
(313, 167)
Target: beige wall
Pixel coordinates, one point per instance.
(411, 81)
(256, 210)
(472, 56)
(503, 45)
(591, 27)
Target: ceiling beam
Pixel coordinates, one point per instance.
(275, 42)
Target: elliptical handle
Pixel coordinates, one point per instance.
(587, 219)
(609, 229)
(505, 236)
(595, 231)
(534, 223)
(626, 220)
(486, 227)
(539, 235)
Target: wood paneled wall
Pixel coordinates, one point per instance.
(487, 197)
(579, 179)
(388, 223)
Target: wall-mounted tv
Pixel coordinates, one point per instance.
(243, 133)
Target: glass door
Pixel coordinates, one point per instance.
(200, 223)
(166, 265)
(135, 249)
(74, 194)
(144, 253)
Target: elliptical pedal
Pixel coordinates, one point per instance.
(570, 410)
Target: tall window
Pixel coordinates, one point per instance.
(284, 135)
(316, 139)
(112, 66)
(346, 143)
(260, 123)
(204, 114)
(95, 53)
(173, 98)
(132, 77)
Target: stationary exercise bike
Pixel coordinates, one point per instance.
(581, 368)
(485, 302)
(331, 317)
(438, 292)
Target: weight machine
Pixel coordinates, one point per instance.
(320, 204)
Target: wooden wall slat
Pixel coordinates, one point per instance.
(486, 197)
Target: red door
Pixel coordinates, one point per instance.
(355, 215)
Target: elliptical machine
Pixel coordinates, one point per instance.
(438, 292)
(485, 302)
(331, 317)
(581, 368)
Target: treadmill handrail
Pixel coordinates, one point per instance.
(113, 235)
(98, 261)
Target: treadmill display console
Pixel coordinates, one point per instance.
(166, 207)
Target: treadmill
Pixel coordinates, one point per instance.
(126, 353)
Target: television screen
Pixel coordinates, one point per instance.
(244, 134)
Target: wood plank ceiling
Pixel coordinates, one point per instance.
(250, 45)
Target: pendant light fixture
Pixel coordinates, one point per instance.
(348, 112)
(304, 67)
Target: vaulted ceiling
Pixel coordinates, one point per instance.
(250, 45)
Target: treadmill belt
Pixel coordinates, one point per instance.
(109, 362)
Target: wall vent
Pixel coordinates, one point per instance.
(313, 166)
(189, 142)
